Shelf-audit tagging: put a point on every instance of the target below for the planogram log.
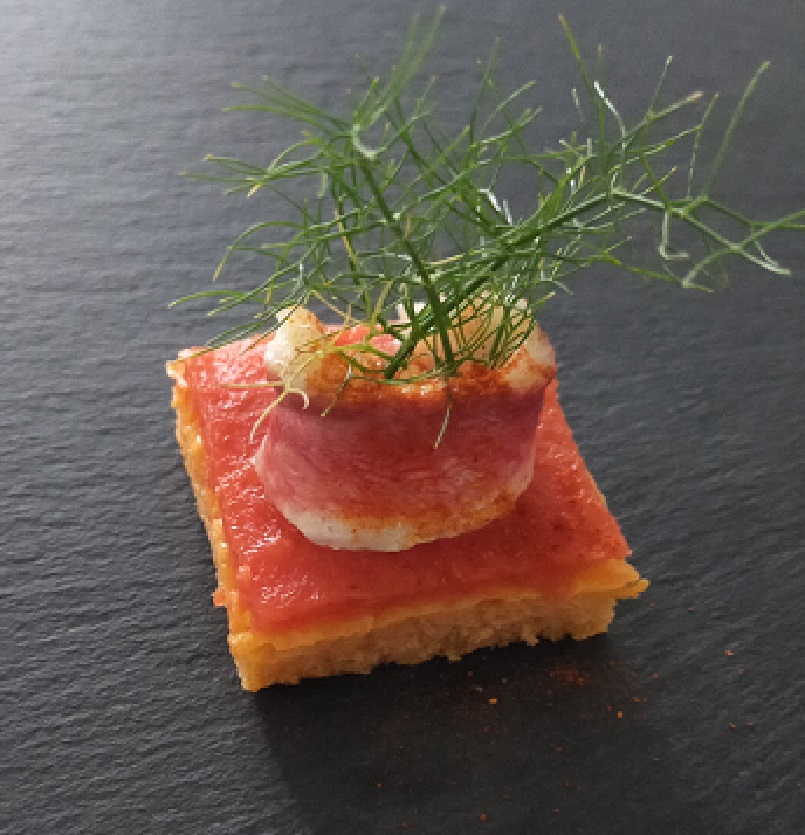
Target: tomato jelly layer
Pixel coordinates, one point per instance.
(560, 524)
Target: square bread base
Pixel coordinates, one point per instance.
(407, 636)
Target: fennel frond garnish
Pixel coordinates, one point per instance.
(406, 232)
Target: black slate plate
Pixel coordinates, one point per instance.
(121, 710)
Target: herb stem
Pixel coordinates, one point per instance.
(423, 272)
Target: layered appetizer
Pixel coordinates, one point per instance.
(379, 453)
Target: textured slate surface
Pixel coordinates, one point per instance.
(121, 711)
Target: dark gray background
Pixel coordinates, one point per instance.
(120, 707)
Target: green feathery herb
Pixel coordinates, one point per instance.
(406, 233)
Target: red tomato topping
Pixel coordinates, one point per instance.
(560, 524)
